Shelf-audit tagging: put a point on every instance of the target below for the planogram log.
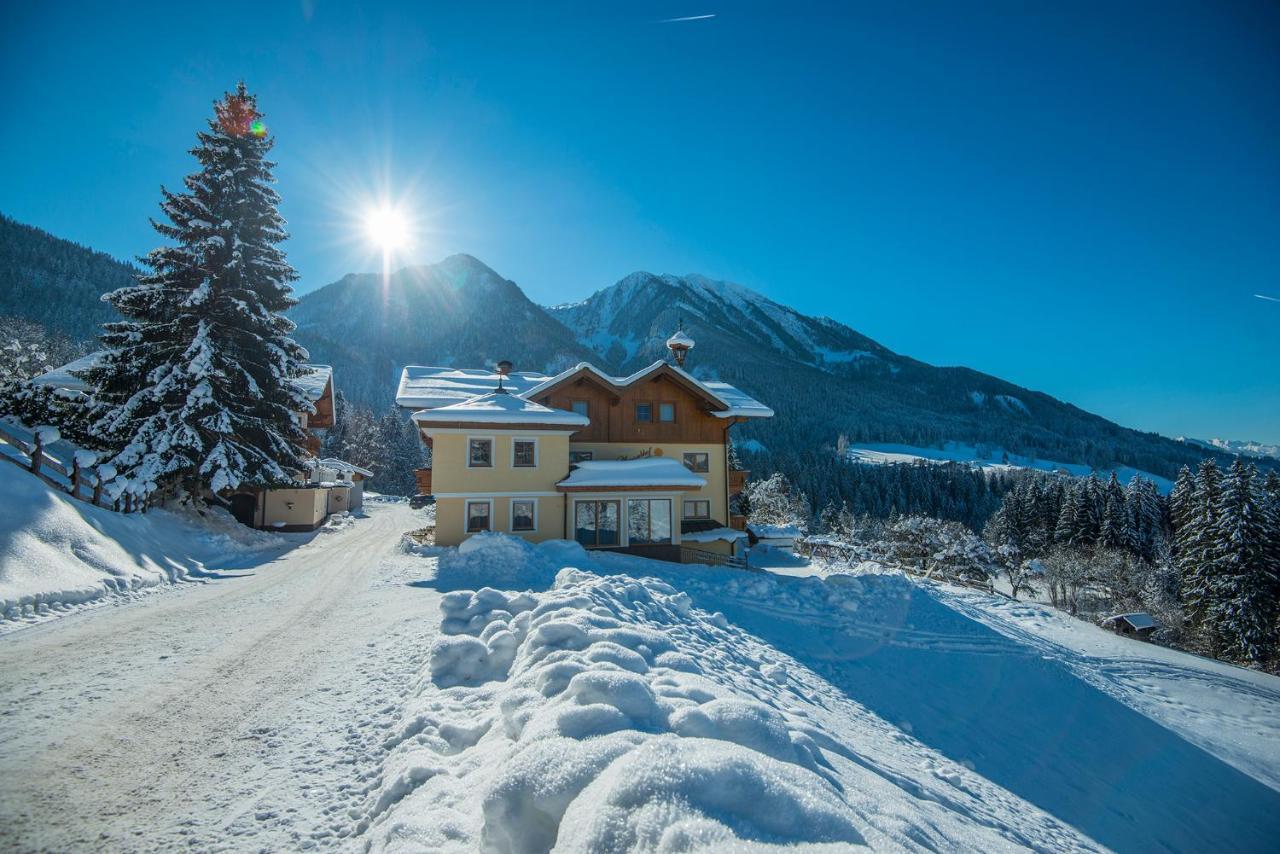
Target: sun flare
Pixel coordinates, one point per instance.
(387, 228)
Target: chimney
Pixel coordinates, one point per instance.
(680, 344)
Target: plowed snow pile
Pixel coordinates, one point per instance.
(608, 713)
(57, 553)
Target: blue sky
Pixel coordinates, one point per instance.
(1079, 197)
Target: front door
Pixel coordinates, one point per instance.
(243, 507)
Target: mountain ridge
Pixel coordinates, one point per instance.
(822, 377)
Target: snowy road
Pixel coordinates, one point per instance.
(245, 712)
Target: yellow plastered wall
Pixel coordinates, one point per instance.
(451, 519)
(716, 486)
(308, 510)
(450, 473)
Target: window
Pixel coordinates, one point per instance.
(524, 453)
(480, 453)
(478, 515)
(595, 523)
(581, 456)
(524, 514)
(648, 520)
(667, 412)
(644, 412)
(696, 509)
(581, 407)
(699, 461)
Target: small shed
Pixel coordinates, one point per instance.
(1137, 625)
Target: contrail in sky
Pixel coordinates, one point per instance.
(689, 18)
(1267, 298)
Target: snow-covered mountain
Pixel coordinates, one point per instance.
(822, 377)
(1236, 446)
(825, 379)
(625, 324)
(455, 312)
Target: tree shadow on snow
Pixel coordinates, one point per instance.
(1028, 724)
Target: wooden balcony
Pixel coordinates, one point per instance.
(423, 478)
(737, 481)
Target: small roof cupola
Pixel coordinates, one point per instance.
(680, 344)
(504, 369)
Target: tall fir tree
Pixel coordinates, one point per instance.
(1198, 544)
(196, 389)
(1243, 609)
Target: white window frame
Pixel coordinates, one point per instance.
(511, 516)
(493, 451)
(514, 439)
(466, 515)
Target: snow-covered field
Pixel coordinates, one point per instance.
(363, 693)
(879, 453)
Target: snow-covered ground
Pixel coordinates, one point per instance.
(58, 554)
(881, 453)
(626, 704)
(244, 713)
(364, 693)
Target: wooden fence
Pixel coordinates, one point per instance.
(26, 449)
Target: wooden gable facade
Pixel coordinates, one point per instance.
(615, 410)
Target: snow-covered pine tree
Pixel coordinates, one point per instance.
(1198, 543)
(1067, 526)
(1116, 531)
(196, 389)
(1243, 608)
(1146, 516)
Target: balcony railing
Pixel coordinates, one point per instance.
(423, 478)
(737, 481)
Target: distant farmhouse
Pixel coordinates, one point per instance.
(327, 486)
(637, 463)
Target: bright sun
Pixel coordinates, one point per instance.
(386, 227)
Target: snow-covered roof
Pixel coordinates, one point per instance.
(499, 408)
(618, 474)
(1138, 620)
(680, 339)
(313, 383)
(334, 464)
(63, 377)
(712, 535)
(423, 387)
(736, 403)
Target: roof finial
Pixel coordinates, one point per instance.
(680, 344)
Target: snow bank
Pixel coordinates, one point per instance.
(608, 713)
(57, 553)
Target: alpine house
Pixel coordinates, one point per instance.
(637, 463)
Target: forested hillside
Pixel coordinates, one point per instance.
(56, 283)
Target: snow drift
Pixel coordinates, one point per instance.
(609, 713)
(57, 553)
(630, 705)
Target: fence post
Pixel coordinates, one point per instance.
(37, 453)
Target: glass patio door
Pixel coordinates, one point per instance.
(596, 523)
